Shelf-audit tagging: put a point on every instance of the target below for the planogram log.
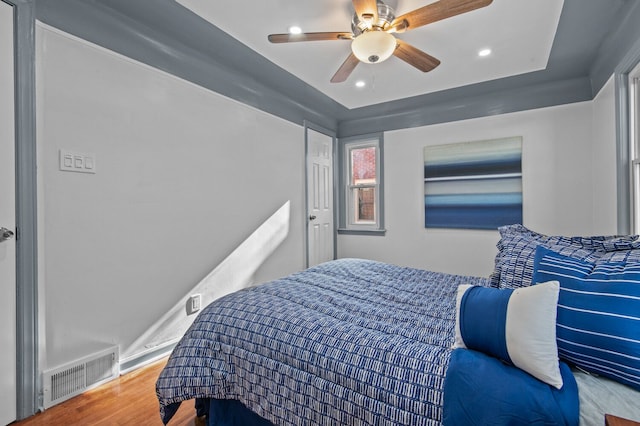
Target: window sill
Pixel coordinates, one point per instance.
(349, 231)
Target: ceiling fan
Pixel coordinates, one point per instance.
(372, 29)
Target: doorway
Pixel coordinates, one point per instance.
(8, 378)
(320, 201)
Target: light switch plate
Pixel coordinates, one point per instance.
(77, 162)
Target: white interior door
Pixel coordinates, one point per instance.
(320, 228)
(7, 220)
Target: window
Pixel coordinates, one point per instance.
(362, 185)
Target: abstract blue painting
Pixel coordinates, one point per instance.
(473, 185)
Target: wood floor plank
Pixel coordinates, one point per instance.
(128, 400)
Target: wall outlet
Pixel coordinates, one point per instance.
(194, 304)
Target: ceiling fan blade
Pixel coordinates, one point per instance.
(288, 38)
(345, 69)
(366, 10)
(436, 12)
(415, 57)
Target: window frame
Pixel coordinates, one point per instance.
(347, 223)
(634, 145)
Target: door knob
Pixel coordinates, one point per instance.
(312, 217)
(5, 234)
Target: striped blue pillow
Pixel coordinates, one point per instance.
(598, 321)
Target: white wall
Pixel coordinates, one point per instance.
(604, 158)
(184, 176)
(561, 186)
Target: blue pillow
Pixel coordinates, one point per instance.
(516, 326)
(480, 390)
(598, 323)
(517, 247)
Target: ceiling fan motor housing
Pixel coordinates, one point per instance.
(386, 15)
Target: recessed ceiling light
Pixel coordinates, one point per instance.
(295, 30)
(484, 52)
(360, 83)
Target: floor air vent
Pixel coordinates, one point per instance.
(72, 379)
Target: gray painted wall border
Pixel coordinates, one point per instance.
(481, 100)
(26, 213)
(151, 31)
(618, 50)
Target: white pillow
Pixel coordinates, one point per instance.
(517, 326)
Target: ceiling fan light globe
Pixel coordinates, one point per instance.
(373, 46)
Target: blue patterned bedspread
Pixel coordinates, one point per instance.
(348, 342)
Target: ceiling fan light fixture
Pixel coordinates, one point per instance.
(373, 46)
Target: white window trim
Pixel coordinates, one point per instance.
(634, 132)
(347, 213)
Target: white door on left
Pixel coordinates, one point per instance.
(7, 219)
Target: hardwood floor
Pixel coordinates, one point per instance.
(128, 400)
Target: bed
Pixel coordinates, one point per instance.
(359, 342)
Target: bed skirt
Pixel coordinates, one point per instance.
(228, 412)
